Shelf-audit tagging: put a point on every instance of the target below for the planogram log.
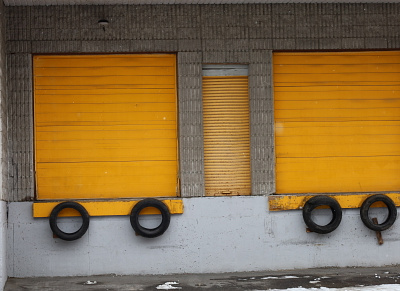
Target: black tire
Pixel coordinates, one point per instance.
(150, 232)
(390, 206)
(321, 200)
(64, 235)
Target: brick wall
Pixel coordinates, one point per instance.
(3, 108)
(198, 34)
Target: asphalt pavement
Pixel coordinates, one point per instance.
(251, 281)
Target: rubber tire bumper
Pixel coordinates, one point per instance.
(392, 215)
(150, 232)
(321, 200)
(74, 235)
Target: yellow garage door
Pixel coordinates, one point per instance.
(337, 122)
(226, 134)
(105, 126)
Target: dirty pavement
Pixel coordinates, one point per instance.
(329, 279)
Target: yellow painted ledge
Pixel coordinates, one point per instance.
(297, 201)
(104, 208)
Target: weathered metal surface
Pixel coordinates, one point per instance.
(105, 208)
(297, 201)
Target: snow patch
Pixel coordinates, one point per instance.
(168, 286)
(283, 277)
(90, 283)
(386, 287)
(315, 282)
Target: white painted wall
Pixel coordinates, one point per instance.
(213, 235)
(3, 243)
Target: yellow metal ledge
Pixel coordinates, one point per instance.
(293, 201)
(104, 208)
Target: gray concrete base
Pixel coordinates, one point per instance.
(213, 235)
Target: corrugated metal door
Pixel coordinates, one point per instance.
(226, 132)
(105, 126)
(337, 122)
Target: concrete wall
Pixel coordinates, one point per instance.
(213, 235)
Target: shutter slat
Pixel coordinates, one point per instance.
(226, 135)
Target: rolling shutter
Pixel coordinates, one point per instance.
(226, 132)
(105, 126)
(337, 122)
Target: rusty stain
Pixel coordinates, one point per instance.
(378, 233)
